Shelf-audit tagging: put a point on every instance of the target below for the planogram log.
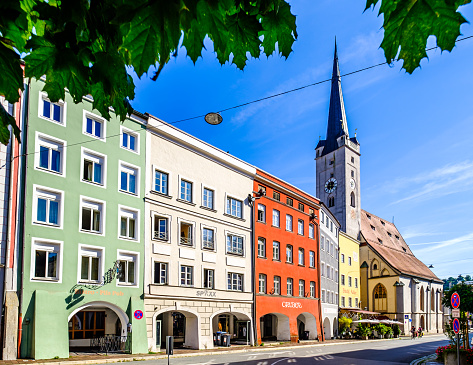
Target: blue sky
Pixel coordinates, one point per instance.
(415, 130)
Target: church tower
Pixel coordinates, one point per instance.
(338, 162)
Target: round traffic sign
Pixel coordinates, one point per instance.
(138, 314)
(456, 325)
(455, 300)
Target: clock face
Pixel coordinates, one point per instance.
(352, 184)
(330, 185)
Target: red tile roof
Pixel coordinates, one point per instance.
(384, 238)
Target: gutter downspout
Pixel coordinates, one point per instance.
(320, 282)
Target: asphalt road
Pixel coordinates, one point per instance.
(391, 352)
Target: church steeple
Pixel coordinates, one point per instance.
(337, 120)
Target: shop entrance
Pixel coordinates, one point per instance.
(274, 327)
(307, 326)
(182, 325)
(237, 325)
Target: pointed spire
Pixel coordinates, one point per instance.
(337, 120)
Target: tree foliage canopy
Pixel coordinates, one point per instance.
(409, 23)
(88, 46)
(466, 297)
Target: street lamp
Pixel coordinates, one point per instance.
(213, 118)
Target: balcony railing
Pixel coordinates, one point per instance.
(235, 250)
(208, 244)
(160, 235)
(186, 241)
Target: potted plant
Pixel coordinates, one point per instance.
(363, 331)
(389, 332)
(396, 331)
(344, 325)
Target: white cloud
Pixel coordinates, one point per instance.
(457, 241)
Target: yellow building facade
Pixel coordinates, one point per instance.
(349, 272)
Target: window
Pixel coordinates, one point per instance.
(301, 288)
(161, 181)
(356, 302)
(331, 298)
(328, 271)
(128, 268)
(311, 258)
(129, 140)
(331, 162)
(311, 231)
(331, 226)
(397, 237)
(289, 286)
(235, 281)
(49, 154)
(322, 217)
(187, 275)
(301, 207)
(383, 223)
(289, 254)
(208, 198)
(93, 167)
(186, 234)
(336, 299)
(342, 279)
(129, 178)
(47, 206)
(87, 324)
(277, 285)
(234, 207)
(323, 296)
(300, 226)
(373, 228)
(161, 228)
(342, 256)
(352, 160)
(349, 260)
(235, 245)
(343, 301)
(380, 240)
(349, 302)
(356, 282)
(322, 269)
(46, 260)
(288, 222)
(336, 276)
(352, 173)
(311, 211)
(312, 289)
(276, 251)
(301, 257)
(327, 222)
(91, 217)
(209, 278)
(289, 202)
(51, 111)
(331, 248)
(389, 234)
(161, 273)
(261, 213)
(322, 243)
(186, 191)
(94, 126)
(262, 284)
(349, 281)
(331, 202)
(276, 218)
(261, 247)
(276, 196)
(262, 189)
(332, 273)
(90, 264)
(208, 238)
(128, 224)
(352, 199)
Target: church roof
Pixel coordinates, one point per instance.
(337, 120)
(384, 238)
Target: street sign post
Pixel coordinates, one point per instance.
(455, 313)
(455, 300)
(169, 346)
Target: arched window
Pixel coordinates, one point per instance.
(432, 301)
(422, 300)
(331, 201)
(352, 199)
(385, 273)
(374, 268)
(380, 298)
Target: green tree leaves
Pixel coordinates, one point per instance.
(88, 46)
(409, 23)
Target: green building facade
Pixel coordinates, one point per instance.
(83, 238)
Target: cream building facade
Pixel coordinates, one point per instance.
(349, 273)
(198, 270)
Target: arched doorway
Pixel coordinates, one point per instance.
(307, 322)
(422, 322)
(181, 323)
(274, 326)
(327, 329)
(237, 324)
(96, 320)
(380, 298)
(335, 327)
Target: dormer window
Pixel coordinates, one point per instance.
(331, 162)
(368, 216)
(380, 240)
(389, 234)
(383, 223)
(397, 237)
(404, 249)
(373, 228)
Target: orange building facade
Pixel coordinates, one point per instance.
(287, 289)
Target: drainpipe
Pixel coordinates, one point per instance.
(251, 201)
(319, 282)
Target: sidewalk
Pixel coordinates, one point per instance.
(113, 358)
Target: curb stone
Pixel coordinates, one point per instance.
(424, 359)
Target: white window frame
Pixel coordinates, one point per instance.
(205, 187)
(204, 279)
(129, 256)
(350, 302)
(48, 246)
(291, 293)
(123, 166)
(100, 253)
(153, 228)
(322, 269)
(135, 134)
(52, 143)
(262, 283)
(128, 212)
(322, 242)
(312, 289)
(97, 118)
(194, 232)
(302, 292)
(301, 251)
(300, 227)
(311, 231)
(342, 258)
(312, 259)
(343, 302)
(214, 229)
(181, 265)
(161, 262)
(276, 222)
(289, 229)
(228, 233)
(264, 213)
(263, 240)
(192, 201)
(153, 181)
(292, 254)
(242, 201)
(279, 250)
(88, 202)
(47, 192)
(95, 156)
(323, 296)
(238, 274)
(342, 280)
(349, 282)
(62, 104)
(278, 287)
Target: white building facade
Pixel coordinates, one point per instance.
(198, 270)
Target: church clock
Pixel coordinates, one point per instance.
(330, 185)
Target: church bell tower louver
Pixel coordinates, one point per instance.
(338, 162)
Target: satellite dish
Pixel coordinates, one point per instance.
(213, 118)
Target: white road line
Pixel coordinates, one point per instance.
(286, 358)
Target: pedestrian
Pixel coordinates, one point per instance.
(413, 331)
(420, 332)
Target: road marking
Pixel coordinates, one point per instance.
(286, 358)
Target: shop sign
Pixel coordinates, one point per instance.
(291, 305)
(98, 292)
(206, 293)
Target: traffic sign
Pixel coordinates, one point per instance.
(138, 314)
(455, 313)
(456, 325)
(455, 300)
